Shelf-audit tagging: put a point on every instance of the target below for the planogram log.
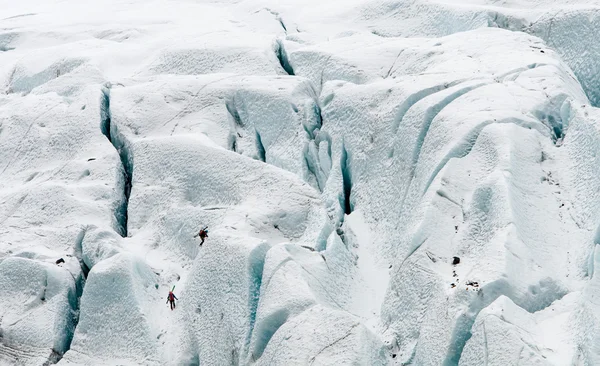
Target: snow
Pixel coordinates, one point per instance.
(121, 284)
(340, 153)
(38, 306)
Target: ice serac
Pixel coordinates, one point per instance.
(223, 305)
(301, 286)
(42, 330)
(506, 334)
(57, 178)
(346, 342)
(340, 153)
(476, 134)
(54, 148)
(130, 283)
(581, 147)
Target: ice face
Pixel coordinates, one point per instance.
(39, 308)
(340, 153)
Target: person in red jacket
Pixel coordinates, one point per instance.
(203, 234)
(171, 298)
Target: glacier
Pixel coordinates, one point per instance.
(385, 182)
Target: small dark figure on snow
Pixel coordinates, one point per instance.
(203, 234)
(171, 298)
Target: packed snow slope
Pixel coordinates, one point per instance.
(342, 153)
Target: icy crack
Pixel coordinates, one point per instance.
(432, 113)
(255, 272)
(260, 148)
(312, 360)
(393, 64)
(345, 199)
(235, 124)
(277, 17)
(233, 112)
(282, 56)
(317, 152)
(118, 141)
(269, 327)
(416, 97)
(74, 300)
(78, 252)
(311, 164)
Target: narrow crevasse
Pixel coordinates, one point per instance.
(235, 124)
(346, 197)
(260, 148)
(232, 110)
(555, 114)
(78, 252)
(317, 151)
(282, 56)
(256, 263)
(121, 145)
(62, 346)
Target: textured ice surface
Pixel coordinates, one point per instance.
(341, 154)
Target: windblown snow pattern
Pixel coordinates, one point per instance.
(341, 153)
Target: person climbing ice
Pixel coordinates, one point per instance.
(171, 298)
(203, 234)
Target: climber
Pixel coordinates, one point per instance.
(171, 298)
(203, 234)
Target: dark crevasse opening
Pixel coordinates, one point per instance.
(313, 123)
(318, 114)
(311, 161)
(105, 113)
(260, 148)
(282, 24)
(233, 112)
(282, 56)
(63, 344)
(553, 122)
(232, 142)
(78, 253)
(118, 141)
(345, 200)
(317, 159)
(236, 124)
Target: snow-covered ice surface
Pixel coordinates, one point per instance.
(341, 154)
